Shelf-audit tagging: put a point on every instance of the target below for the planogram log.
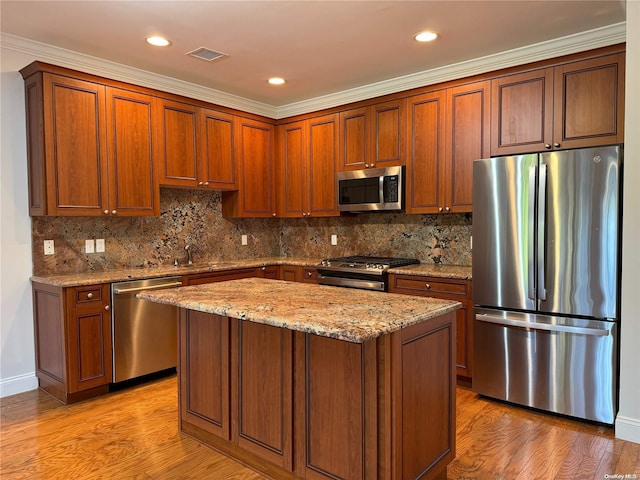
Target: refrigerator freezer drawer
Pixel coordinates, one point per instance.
(560, 365)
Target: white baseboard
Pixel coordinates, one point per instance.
(18, 384)
(628, 428)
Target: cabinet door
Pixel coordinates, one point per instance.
(217, 154)
(204, 372)
(468, 123)
(388, 127)
(133, 186)
(75, 146)
(522, 112)
(354, 139)
(292, 158)
(178, 147)
(88, 337)
(321, 171)
(256, 190)
(426, 153)
(589, 102)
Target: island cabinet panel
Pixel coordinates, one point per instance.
(221, 276)
(262, 382)
(204, 372)
(72, 340)
(255, 197)
(447, 289)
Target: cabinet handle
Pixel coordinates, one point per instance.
(547, 146)
(106, 212)
(447, 209)
(89, 295)
(556, 145)
(113, 212)
(428, 286)
(106, 307)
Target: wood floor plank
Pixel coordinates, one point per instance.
(133, 434)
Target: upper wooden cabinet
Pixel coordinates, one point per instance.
(306, 166)
(90, 148)
(447, 131)
(197, 146)
(255, 197)
(573, 105)
(373, 136)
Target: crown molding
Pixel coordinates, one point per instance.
(116, 71)
(579, 42)
(599, 37)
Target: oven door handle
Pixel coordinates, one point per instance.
(351, 282)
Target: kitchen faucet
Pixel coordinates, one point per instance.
(189, 259)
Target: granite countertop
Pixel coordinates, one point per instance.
(461, 272)
(341, 313)
(119, 275)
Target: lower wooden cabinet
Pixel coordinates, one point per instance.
(73, 340)
(221, 276)
(296, 273)
(448, 289)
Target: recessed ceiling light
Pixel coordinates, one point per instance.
(157, 41)
(425, 36)
(276, 81)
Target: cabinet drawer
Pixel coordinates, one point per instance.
(309, 275)
(429, 286)
(88, 294)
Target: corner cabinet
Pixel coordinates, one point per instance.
(91, 147)
(373, 136)
(254, 146)
(447, 131)
(573, 105)
(197, 146)
(73, 340)
(306, 166)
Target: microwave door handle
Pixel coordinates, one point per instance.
(381, 189)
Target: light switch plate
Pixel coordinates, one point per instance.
(244, 239)
(89, 246)
(48, 247)
(334, 239)
(100, 245)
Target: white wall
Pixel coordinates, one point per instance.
(628, 419)
(17, 359)
(16, 325)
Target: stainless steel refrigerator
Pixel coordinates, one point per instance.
(546, 254)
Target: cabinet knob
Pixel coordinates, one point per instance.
(89, 295)
(206, 184)
(447, 209)
(106, 307)
(274, 214)
(547, 146)
(309, 274)
(308, 214)
(106, 212)
(263, 268)
(199, 184)
(113, 212)
(440, 209)
(556, 145)
(428, 285)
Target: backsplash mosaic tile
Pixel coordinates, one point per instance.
(194, 217)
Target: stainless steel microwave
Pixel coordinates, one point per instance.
(373, 189)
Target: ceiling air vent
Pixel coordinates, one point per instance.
(204, 53)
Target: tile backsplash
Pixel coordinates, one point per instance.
(193, 217)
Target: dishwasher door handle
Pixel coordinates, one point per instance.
(509, 322)
(118, 291)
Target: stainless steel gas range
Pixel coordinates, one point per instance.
(364, 272)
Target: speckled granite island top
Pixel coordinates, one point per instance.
(341, 313)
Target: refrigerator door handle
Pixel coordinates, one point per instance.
(531, 238)
(596, 332)
(542, 209)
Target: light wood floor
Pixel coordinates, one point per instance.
(133, 434)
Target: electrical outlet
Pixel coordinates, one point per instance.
(334, 239)
(89, 246)
(48, 247)
(100, 245)
(244, 239)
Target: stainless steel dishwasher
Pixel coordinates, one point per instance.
(144, 333)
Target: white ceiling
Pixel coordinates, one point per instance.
(320, 47)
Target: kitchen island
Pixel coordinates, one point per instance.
(316, 382)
